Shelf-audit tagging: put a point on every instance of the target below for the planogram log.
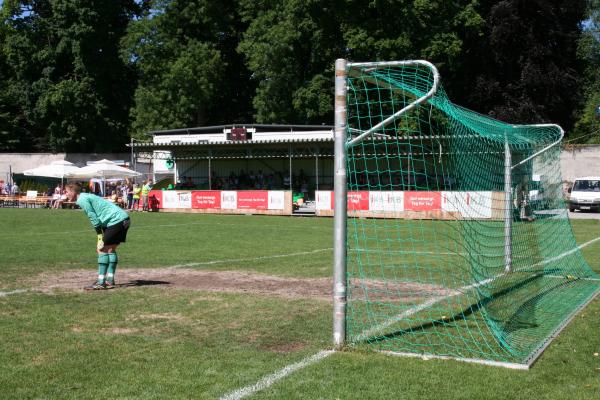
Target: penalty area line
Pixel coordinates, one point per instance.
(461, 290)
(234, 260)
(16, 291)
(269, 380)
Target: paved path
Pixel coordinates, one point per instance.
(584, 215)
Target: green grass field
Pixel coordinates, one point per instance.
(222, 322)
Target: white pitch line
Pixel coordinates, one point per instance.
(453, 253)
(391, 321)
(16, 291)
(234, 260)
(368, 333)
(567, 253)
(282, 373)
(269, 380)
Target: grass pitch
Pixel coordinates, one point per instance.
(175, 340)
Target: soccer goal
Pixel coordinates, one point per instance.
(451, 234)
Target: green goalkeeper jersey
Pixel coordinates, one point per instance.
(101, 213)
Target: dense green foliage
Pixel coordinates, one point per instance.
(84, 75)
(65, 87)
(528, 71)
(588, 123)
(190, 73)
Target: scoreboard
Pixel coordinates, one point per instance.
(237, 134)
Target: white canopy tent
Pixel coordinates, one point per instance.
(103, 169)
(56, 169)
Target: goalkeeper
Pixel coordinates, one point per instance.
(111, 224)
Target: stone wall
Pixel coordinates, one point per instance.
(578, 161)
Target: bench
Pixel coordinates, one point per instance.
(9, 200)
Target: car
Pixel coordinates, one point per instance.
(585, 194)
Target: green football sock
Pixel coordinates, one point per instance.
(103, 261)
(112, 266)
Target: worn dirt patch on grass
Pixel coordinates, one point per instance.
(240, 282)
(170, 317)
(182, 278)
(106, 331)
(120, 331)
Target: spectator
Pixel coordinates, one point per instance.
(145, 192)
(56, 196)
(304, 189)
(15, 189)
(286, 181)
(302, 175)
(136, 197)
(271, 182)
(123, 195)
(260, 180)
(129, 196)
(62, 197)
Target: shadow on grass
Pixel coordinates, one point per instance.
(522, 318)
(141, 282)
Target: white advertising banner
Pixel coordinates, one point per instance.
(228, 200)
(468, 204)
(276, 200)
(386, 201)
(175, 199)
(323, 199)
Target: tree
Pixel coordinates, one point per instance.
(190, 73)
(290, 46)
(66, 86)
(587, 128)
(525, 68)
(12, 135)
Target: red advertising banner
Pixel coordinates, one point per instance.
(422, 201)
(253, 199)
(206, 199)
(357, 201)
(155, 199)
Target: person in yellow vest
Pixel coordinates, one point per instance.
(145, 192)
(136, 197)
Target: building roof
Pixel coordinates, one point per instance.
(179, 145)
(221, 128)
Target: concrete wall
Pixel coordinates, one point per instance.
(576, 162)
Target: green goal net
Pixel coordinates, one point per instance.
(458, 241)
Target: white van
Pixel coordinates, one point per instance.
(585, 194)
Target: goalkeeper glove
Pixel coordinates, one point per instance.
(100, 243)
